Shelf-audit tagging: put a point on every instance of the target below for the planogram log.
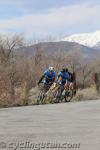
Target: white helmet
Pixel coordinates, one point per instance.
(51, 68)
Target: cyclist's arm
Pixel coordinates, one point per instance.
(58, 78)
(54, 79)
(59, 75)
(70, 77)
(41, 79)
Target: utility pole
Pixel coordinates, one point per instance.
(96, 80)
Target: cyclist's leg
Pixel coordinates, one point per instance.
(67, 85)
(71, 86)
(61, 88)
(47, 85)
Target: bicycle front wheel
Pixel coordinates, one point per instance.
(40, 98)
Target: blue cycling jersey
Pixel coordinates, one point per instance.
(65, 75)
(49, 75)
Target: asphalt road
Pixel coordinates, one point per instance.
(74, 125)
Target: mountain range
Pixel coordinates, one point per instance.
(86, 43)
(52, 48)
(87, 39)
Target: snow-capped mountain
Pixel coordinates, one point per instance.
(87, 39)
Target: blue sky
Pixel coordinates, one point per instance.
(42, 18)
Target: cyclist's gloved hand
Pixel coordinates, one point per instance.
(59, 82)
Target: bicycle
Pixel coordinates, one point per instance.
(63, 94)
(41, 98)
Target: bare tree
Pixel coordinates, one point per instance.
(8, 59)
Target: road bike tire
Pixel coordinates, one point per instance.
(40, 98)
(68, 95)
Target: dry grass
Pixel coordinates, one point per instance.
(33, 95)
(81, 95)
(87, 94)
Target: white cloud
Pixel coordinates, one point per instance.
(56, 20)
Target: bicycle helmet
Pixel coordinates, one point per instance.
(63, 69)
(51, 68)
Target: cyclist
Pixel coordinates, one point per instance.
(69, 81)
(63, 75)
(49, 77)
(65, 79)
